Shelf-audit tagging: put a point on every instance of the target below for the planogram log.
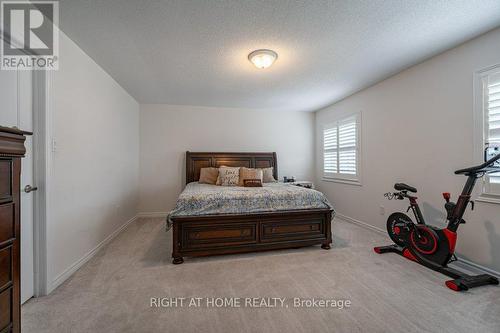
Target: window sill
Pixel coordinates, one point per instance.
(489, 198)
(343, 181)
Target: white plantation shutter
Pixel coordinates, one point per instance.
(340, 149)
(347, 146)
(330, 150)
(492, 122)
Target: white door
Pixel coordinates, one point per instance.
(16, 103)
(25, 100)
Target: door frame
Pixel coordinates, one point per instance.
(42, 171)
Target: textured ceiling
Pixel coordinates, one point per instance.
(187, 52)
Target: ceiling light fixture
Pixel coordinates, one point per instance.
(262, 58)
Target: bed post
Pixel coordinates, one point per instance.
(177, 258)
(188, 167)
(275, 167)
(326, 244)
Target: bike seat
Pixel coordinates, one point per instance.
(404, 187)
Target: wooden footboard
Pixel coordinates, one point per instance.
(224, 234)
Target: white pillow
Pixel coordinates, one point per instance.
(228, 176)
(268, 175)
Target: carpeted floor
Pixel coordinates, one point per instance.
(112, 293)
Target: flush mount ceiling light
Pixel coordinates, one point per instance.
(262, 58)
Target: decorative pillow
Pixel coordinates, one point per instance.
(268, 176)
(252, 183)
(248, 173)
(228, 176)
(218, 175)
(208, 176)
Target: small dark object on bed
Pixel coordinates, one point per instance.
(252, 183)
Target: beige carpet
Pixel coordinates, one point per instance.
(388, 294)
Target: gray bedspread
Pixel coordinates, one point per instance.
(203, 199)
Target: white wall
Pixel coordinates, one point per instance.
(417, 127)
(95, 168)
(167, 132)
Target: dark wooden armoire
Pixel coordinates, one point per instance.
(11, 151)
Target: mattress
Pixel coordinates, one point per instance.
(204, 199)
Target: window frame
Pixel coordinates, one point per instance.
(484, 188)
(353, 179)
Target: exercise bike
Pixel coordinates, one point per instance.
(435, 247)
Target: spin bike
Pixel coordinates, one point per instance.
(434, 247)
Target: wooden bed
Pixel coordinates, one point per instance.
(238, 233)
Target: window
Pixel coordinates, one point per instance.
(492, 123)
(341, 149)
(487, 115)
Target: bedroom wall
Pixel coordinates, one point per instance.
(167, 132)
(417, 127)
(95, 168)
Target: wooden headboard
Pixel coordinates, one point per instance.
(196, 161)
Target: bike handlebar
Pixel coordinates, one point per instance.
(396, 195)
(486, 167)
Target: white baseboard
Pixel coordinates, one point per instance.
(473, 267)
(152, 214)
(461, 263)
(361, 223)
(75, 266)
